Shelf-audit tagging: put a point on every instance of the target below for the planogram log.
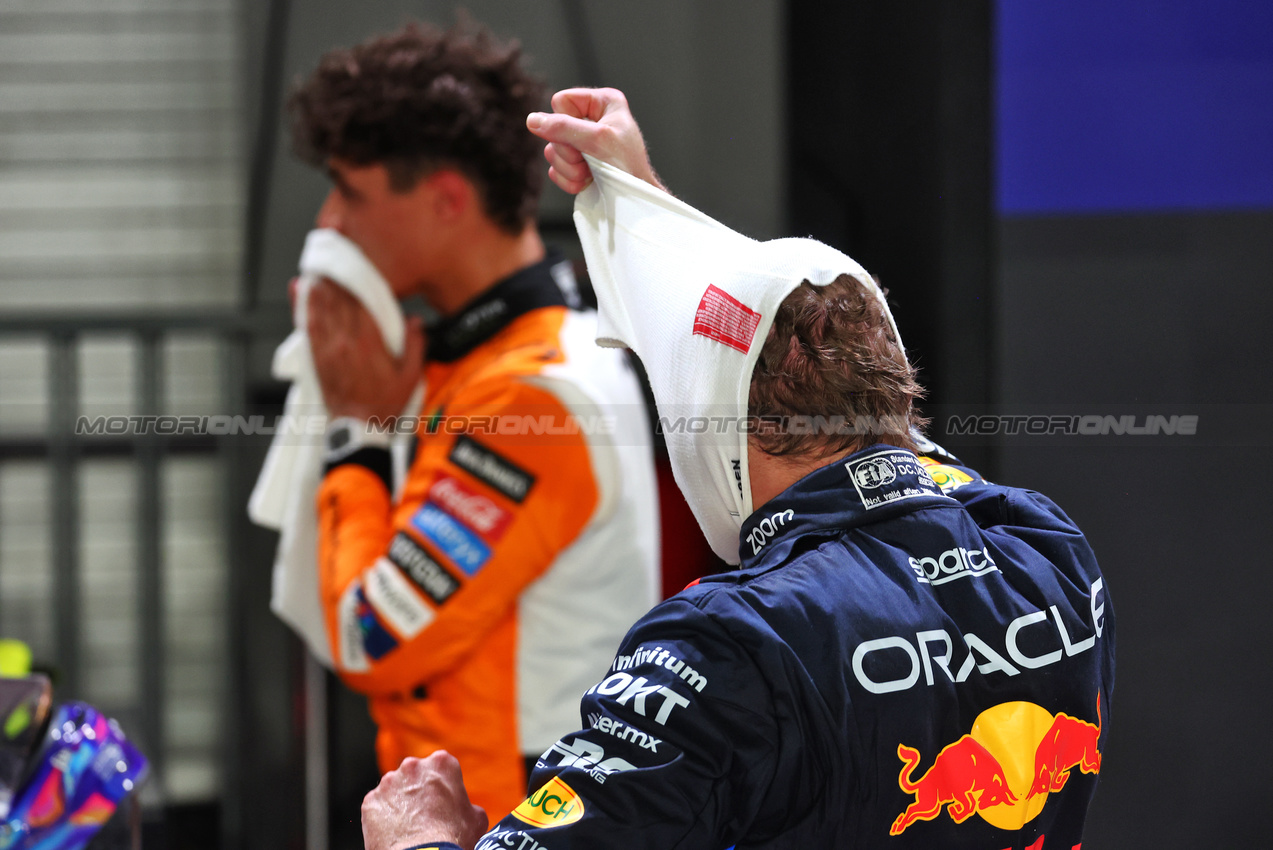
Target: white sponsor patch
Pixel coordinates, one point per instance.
(584, 755)
(953, 564)
(389, 592)
(896, 663)
(638, 691)
(660, 657)
(765, 530)
(624, 732)
(353, 657)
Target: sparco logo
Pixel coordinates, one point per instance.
(873, 473)
(474, 320)
(767, 528)
(952, 564)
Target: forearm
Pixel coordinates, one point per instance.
(354, 529)
(412, 587)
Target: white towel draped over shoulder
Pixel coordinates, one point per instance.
(285, 491)
(695, 301)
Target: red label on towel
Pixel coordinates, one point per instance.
(725, 319)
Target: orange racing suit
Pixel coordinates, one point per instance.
(476, 604)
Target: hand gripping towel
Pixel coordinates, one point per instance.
(284, 496)
(695, 301)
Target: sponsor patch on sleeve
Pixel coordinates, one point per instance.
(492, 468)
(475, 510)
(424, 572)
(725, 319)
(353, 658)
(394, 599)
(507, 839)
(464, 548)
(888, 476)
(376, 639)
(652, 682)
(582, 754)
(948, 478)
(554, 804)
(639, 745)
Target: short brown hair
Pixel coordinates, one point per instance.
(422, 98)
(832, 377)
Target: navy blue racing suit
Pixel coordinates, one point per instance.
(907, 657)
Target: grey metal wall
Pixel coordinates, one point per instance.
(120, 192)
(704, 79)
(1170, 313)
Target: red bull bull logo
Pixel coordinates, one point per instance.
(965, 777)
(1068, 743)
(1003, 770)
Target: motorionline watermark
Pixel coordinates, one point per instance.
(315, 425)
(796, 424)
(1070, 425)
(703, 426)
(505, 424)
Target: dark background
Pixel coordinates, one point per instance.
(1072, 205)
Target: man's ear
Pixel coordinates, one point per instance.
(453, 194)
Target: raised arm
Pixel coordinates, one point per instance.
(596, 122)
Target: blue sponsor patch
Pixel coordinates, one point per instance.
(376, 640)
(464, 548)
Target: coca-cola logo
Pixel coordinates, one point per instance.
(475, 510)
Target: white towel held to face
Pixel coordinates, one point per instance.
(285, 491)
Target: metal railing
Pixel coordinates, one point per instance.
(66, 448)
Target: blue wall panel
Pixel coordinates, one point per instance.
(1125, 105)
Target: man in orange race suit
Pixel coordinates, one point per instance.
(475, 600)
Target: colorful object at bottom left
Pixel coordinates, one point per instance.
(84, 769)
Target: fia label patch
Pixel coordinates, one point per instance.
(888, 476)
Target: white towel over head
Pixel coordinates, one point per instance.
(695, 301)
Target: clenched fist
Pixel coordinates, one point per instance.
(423, 801)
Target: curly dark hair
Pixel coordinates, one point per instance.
(422, 98)
(831, 377)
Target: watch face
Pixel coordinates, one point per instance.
(339, 438)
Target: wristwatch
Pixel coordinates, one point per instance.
(346, 435)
